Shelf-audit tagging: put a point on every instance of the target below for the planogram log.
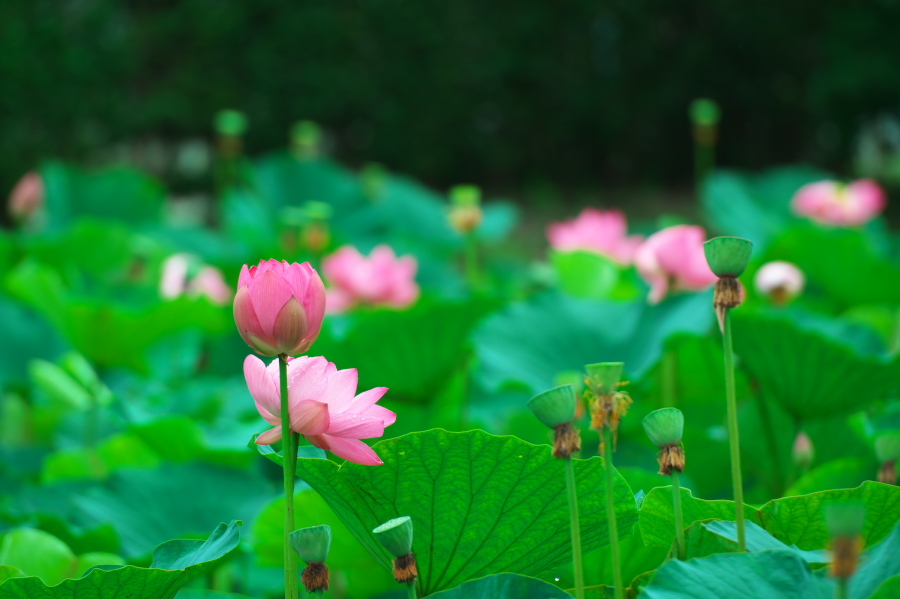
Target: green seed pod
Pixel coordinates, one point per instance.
(887, 446)
(312, 544)
(845, 519)
(465, 195)
(728, 256)
(317, 210)
(231, 123)
(603, 378)
(664, 426)
(396, 535)
(704, 112)
(305, 139)
(555, 406)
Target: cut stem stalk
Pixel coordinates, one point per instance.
(289, 451)
(576, 529)
(733, 436)
(680, 547)
(611, 515)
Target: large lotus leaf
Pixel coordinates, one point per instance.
(778, 574)
(842, 265)
(718, 536)
(889, 589)
(7, 572)
(586, 274)
(175, 563)
(838, 474)
(531, 342)
(203, 594)
(795, 521)
(504, 586)
(879, 564)
(25, 337)
(118, 193)
(756, 207)
(411, 352)
(480, 504)
(811, 375)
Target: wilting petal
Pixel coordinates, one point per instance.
(309, 417)
(353, 450)
(353, 426)
(270, 436)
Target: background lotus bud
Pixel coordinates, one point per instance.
(210, 282)
(279, 307)
(887, 450)
(781, 281)
(230, 125)
(673, 260)
(465, 208)
(603, 232)
(803, 451)
(728, 256)
(704, 112)
(27, 197)
(396, 535)
(312, 544)
(604, 377)
(832, 203)
(381, 278)
(306, 138)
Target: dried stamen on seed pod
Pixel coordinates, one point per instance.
(316, 577)
(729, 294)
(670, 457)
(566, 440)
(845, 556)
(405, 569)
(888, 472)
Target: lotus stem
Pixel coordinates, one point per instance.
(733, 436)
(289, 444)
(411, 589)
(576, 528)
(680, 547)
(472, 274)
(611, 514)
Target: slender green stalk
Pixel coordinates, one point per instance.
(841, 591)
(611, 515)
(669, 376)
(733, 437)
(411, 589)
(576, 529)
(681, 548)
(472, 274)
(289, 451)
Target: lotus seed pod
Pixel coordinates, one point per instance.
(664, 426)
(555, 406)
(396, 535)
(728, 256)
(887, 446)
(312, 544)
(305, 139)
(230, 123)
(845, 519)
(704, 112)
(604, 377)
(465, 195)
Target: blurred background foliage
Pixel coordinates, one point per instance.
(512, 95)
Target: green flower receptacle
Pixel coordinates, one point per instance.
(230, 123)
(396, 536)
(312, 544)
(728, 256)
(664, 426)
(604, 377)
(465, 195)
(704, 112)
(887, 447)
(555, 406)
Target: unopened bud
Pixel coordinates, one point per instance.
(305, 139)
(780, 281)
(887, 449)
(803, 451)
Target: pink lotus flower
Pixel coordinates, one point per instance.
(27, 197)
(177, 281)
(379, 279)
(833, 203)
(602, 232)
(324, 406)
(279, 307)
(673, 260)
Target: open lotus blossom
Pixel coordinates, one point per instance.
(324, 406)
(602, 232)
(279, 307)
(27, 197)
(833, 203)
(381, 278)
(781, 281)
(673, 260)
(177, 280)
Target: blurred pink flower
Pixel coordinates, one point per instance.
(27, 197)
(673, 260)
(279, 307)
(379, 279)
(781, 281)
(177, 281)
(602, 232)
(833, 203)
(324, 406)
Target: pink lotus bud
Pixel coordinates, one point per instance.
(27, 197)
(174, 275)
(832, 203)
(176, 279)
(210, 282)
(803, 451)
(673, 260)
(602, 232)
(279, 307)
(781, 281)
(323, 406)
(379, 279)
